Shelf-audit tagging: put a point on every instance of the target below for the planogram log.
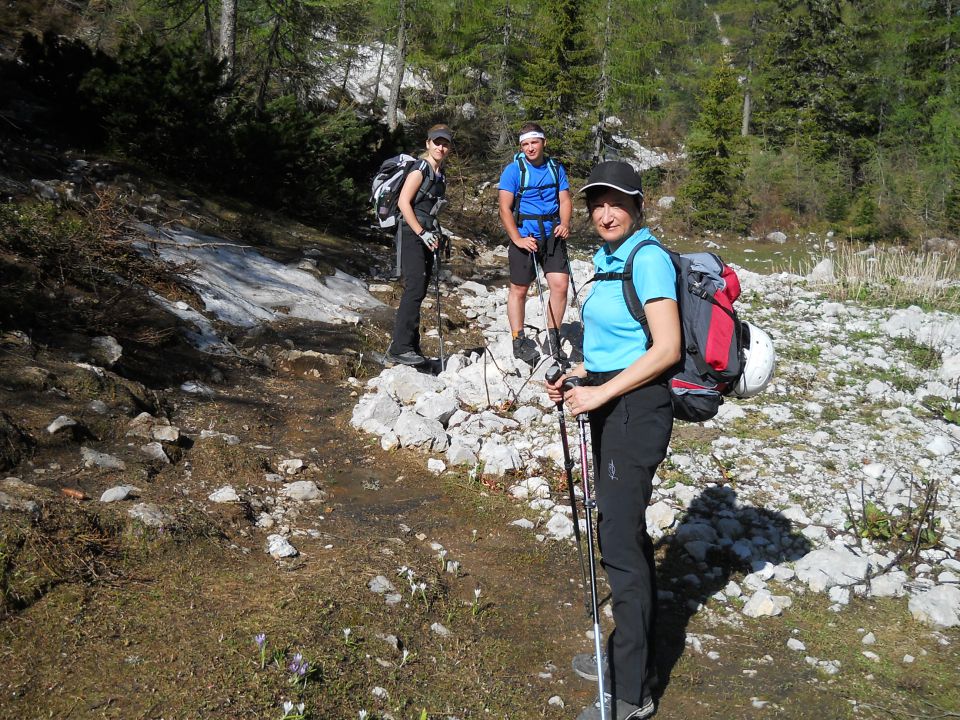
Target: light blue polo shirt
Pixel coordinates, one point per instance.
(612, 339)
(540, 197)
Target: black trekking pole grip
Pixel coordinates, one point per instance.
(571, 382)
(553, 373)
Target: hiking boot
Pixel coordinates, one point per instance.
(405, 358)
(553, 343)
(525, 349)
(619, 710)
(585, 665)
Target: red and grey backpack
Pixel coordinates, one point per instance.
(712, 336)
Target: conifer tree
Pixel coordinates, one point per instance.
(712, 192)
(560, 81)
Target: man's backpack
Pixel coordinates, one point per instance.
(385, 190)
(554, 167)
(713, 337)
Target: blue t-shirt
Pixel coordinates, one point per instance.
(612, 339)
(540, 195)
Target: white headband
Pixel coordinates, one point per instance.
(532, 135)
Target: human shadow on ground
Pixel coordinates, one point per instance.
(716, 538)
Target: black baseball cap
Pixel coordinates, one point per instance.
(617, 175)
(440, 133)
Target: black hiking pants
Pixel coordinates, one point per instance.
(630, 435)
(416, 266)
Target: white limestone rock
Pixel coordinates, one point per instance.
(940, 446)
(822, 569)
(560, 526)
(415, 431)
(439, 407)
(764, 604)
(63, 421)
(939, 607)
(498, 458)
(302, 490)
(150, 515)
(891, 584)
(661, 516)
(118, 493)
(290, 466)
(155, 451)
(226, 494)
(460, 454)
(279, 547)
(93, 458)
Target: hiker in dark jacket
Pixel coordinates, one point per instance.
(535, 211)
(419, 203)
(631, 420)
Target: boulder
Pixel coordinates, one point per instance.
(939, 607)
(822, 569)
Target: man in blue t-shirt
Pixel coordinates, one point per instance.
(535, 210)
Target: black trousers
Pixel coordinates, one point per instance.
(416, 266)
(630, 435)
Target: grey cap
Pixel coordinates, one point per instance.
(440, 133)
(617, 175)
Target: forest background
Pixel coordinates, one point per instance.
(809, 114)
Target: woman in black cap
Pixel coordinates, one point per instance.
(631, 419)
(421, 198)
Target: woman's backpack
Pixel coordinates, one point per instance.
(713, 337)
(385, 190)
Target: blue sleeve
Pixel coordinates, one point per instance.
(654, 275)
(563, 183)
(510, 178)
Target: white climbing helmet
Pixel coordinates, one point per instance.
(760, 360)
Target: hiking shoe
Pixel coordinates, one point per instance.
(525, 349)
(585, 665)
(553, 342)
(406, 358)
(619, 710)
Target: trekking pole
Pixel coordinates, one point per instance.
(588, 506)
(436, 257)
(553, 374)
(543, 308)
(576, 294)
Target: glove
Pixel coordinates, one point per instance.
(429, 239)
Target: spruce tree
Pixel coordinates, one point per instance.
(560, 82)
(713, 189)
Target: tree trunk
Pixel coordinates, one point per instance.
(375, 95)
(745, 121)
(747, 99)
(604, 87)
(227, 50)
(207, 28)
(399, 69)
(502, 80)
(346, 74)
(947, 47)
(268, 65)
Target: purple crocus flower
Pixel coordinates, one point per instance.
(260, 640)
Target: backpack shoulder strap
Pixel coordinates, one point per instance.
(629, 289)
(429, 178)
